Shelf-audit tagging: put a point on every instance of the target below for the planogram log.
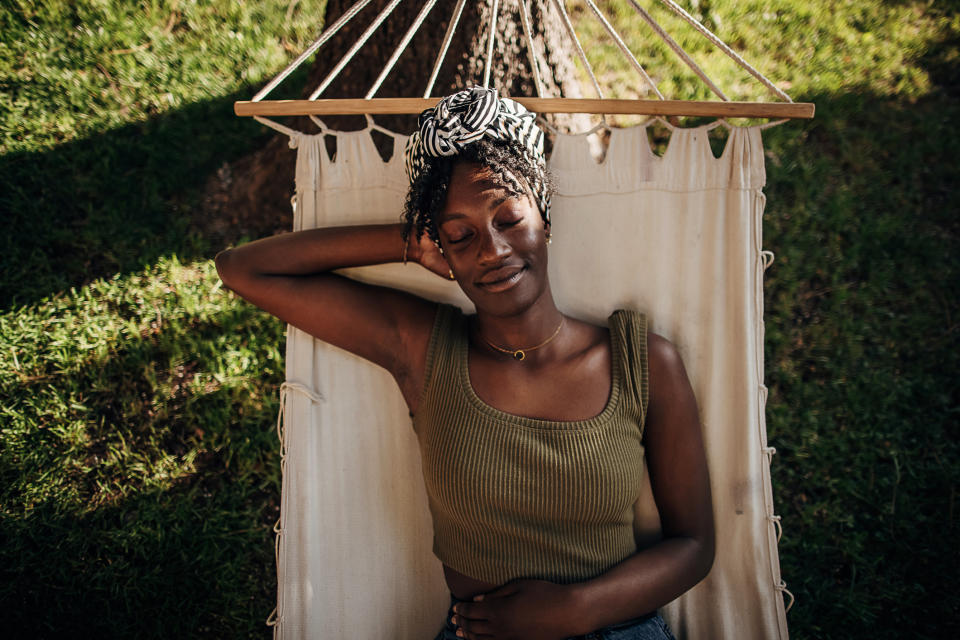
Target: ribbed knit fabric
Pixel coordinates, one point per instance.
(518, 497)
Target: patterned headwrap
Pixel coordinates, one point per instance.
(467, 116)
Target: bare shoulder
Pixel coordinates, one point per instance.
(663, 356)
(669, 383)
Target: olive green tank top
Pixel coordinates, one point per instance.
(520, 497)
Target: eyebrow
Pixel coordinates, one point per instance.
(445, 217)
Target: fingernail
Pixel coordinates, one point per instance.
(453, 620)
(459, 633)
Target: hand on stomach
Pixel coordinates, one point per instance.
(465, 587)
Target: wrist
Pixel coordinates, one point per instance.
(580, 605)
(411, 249)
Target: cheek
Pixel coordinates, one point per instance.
(533, 240)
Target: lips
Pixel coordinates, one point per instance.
(502, 278)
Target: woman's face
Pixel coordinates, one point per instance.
(495, 242)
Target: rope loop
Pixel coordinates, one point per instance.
(324, 129)
(782, 587)
(767, 257)
(777, 524)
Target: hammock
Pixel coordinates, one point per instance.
(677, 237)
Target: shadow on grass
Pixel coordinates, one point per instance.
(861, 337)
(116, 201)
(118, 535)
(160, 564)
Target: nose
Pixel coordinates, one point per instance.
(493, 247)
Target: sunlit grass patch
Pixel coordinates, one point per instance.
(805, 48)
(142, 407)
(127, 382)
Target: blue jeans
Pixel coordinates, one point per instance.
(648, 627)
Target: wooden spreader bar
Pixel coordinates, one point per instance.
(708, 108)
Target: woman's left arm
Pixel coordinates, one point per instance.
(653, 577)
(677, 464)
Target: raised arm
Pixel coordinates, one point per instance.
(290, 276)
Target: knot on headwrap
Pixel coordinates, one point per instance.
(468, 116)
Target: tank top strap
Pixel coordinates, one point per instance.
(441, 368)
(630, 328)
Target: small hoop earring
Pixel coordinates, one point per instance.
(451, 276)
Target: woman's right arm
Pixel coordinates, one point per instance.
(290, 276)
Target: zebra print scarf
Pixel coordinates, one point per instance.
(467, 116)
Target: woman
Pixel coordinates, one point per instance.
(533, 426)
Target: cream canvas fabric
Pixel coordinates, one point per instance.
(677, 237)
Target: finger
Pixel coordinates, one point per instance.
(439, 266)
(505, 590)
(470, 611)
(475, 631)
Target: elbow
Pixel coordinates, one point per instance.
(224, 264)
(707, 554)
(706, 548)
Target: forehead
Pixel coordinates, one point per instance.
(473, 186)
(473, 178)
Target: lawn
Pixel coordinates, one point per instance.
(138, 452)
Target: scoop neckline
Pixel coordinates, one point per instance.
(529, 422)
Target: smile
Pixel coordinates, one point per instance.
(503, 283)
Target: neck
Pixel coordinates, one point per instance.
(523, 330)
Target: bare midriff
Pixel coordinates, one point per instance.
(465, 587)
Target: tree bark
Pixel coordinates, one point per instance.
(251, 196)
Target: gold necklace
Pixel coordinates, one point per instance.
(520, 354)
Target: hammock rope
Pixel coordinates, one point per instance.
(624, 48)
(576, 43)
(680, 51)
(725, 108)
(782, 587)
(447, 38)
(677, 9)
(531, 52)
(276, 616)
(387, 68)
(362, 40)
(490, 39)
(319, 42)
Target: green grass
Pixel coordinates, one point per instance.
(113, 115)
(140, 472)
(138, 457)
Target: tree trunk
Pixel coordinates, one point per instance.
(252, 195)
